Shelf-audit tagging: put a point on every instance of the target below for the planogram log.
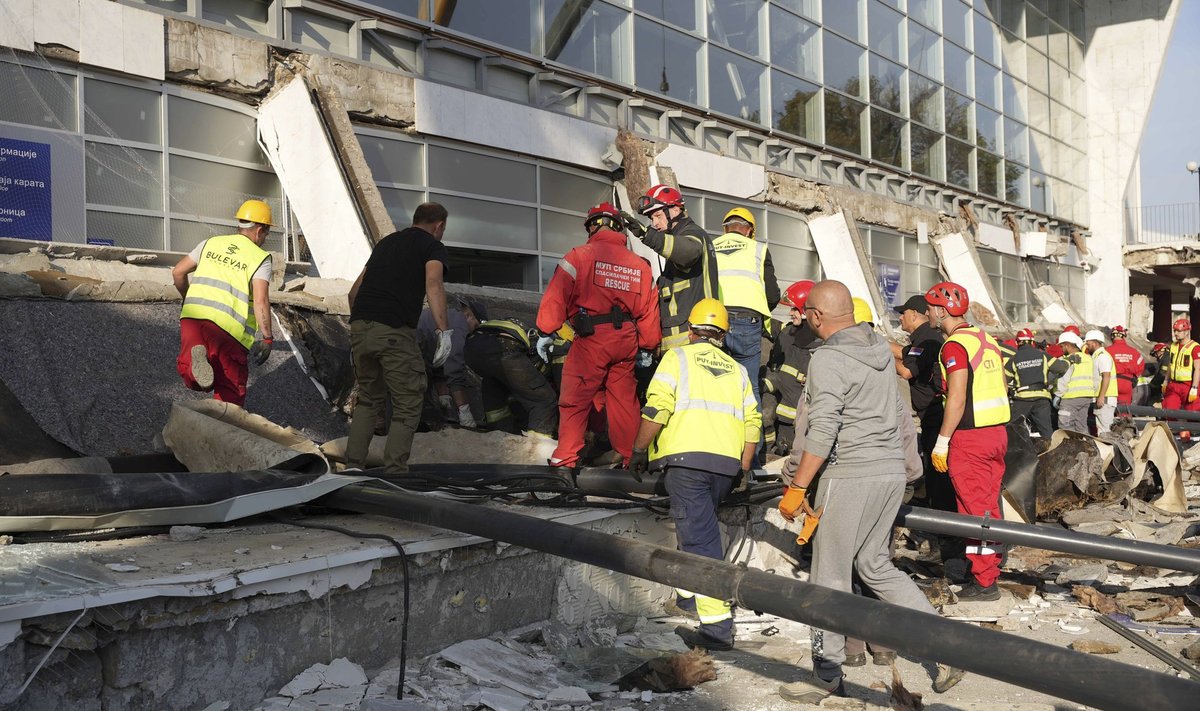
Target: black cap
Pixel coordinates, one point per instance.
(478, 308)
(915, 303)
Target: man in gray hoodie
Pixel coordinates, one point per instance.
(853, 439)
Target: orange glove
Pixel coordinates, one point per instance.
(941, 454)
(1192, 394)
(793, 500)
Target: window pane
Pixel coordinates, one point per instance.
(595, 42)
(677, 12)
(985, 39)
(37, 97)
(885, 83)
(1015, 101)
(185, 235)
(987, 84)
(927, 12)
(956, 23)
(843, 65)
(988, 171)
(887, 134)
(958, 116)
(1016, 141)
(213, 130)
(172, 5)
(201, 188)
(247, 15)
(561, 233)
(958, 163)
(735, 23)
(481, 174)
(735, 85)
(795, 44)
(129, 177)
(485, 268)
(925, 101)
(1012, 16)
(987, 129)
(793, 264)
(924, 51)
(796, 107)
(884, 26)
(1039, 111)
(134, 231)
(1037, 27)
(843, 123)
(119, 111)
(310, 29)
(1013, 55)
(393, 161)
(488, 224)
(842, 16)
(412, 8)
(507, 22)
(787, 231)
(926, 152)
(401, 204)
(958, 68)
(1059, 51)
(573, 192)
(666, 61)
(808, 8)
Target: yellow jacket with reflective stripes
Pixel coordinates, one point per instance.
(741, 263)
(507, 327)
(704, 401)
(1082, 382)
(1112, 374)
(987, 392)
(219, 290)
(1181, 364)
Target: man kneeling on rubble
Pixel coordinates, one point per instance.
(853, 434)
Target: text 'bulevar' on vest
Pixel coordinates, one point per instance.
(219, 290)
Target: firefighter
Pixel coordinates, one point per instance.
(501, 354)
(787, 368)
(690, 273)
(606, 293)
(1182, 384)
(1105, 374)
(1156, 373)
(701, 424)
(972, 441)
(1028, 371)
(1130, 366)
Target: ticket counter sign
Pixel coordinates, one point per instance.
(26, 207)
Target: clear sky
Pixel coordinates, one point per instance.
(1172, 135)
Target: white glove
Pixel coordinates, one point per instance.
(447, 404)
(941, 454)
(442, 351)
(543, 347)
(465, 418)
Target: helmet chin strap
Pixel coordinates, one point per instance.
(673, 222)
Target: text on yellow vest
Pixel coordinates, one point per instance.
(987, 392)
(741, 263)
(219, 290)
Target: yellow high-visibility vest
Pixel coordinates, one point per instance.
(1083, 378)
(704, 400)
(741, 263)
(987, 393)
(219, 290)
(1112, 375)
(1181, 362)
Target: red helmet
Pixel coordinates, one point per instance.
(1072, 328)
(797, 294)
(1024, 334)
(603, 211)
(1158, 349)
(1119, 332)
(950, 296)
(659, 197)
(1182, 324)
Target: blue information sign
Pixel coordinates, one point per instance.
(26, 208)
(889, 281)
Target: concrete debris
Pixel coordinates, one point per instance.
(488, 662)
(456, 445)
(18, 286)
(1087, 574)
(1192, 651)
(181, 534)
(569, 694)
(1138, 605)
(1094, 646)
(213, 436)
(123, 567)
(341, 675)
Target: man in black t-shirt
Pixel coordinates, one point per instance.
(385, 304)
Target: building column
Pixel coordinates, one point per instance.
(1162, 315)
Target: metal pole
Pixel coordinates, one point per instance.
(1157, 412)
(1033, 665)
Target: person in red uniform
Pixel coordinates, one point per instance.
(1181, 388)
(1054, 350)
(606, 292)
(1129, 362)
(972, 441)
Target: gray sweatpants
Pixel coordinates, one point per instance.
(855, 535)
(1073, 414)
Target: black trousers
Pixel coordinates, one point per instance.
(507, 371)
(1036, 412)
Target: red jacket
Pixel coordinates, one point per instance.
(596, 276)
(1129, 362)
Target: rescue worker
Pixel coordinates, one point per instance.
(748, 290)
(501, 354)
(226, 303)
(787, 366)
(972, 441)
(1105, 375)
(1076, 386)
(450, 386)
(1156, 371)
(701, 424)
(853, 439)
(1130, 366)
(690, 273)
(1182, 383)
(1028, 371)
(606, 293)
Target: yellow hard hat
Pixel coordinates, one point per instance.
(862, 311)
(565, 332)
(741, 213)
(255, 211)
(709, 312)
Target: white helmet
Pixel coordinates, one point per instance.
(1094, 335)
(1068, 337)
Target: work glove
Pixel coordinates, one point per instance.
(543, 347)
(941, 454)
(645, 359)
(1056, 401)
(447, 404)
(639, 463)
(634, 225)
(1192, 394)
(465, 418)
(442, 351)
(792, 501)
(260, 351)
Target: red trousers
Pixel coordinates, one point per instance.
(226, 355)
(600, 364)
(976, 471)
(1176, 396)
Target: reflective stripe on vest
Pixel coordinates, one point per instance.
(792, 371)
(1181, 362)
(1029, 368)
(218, 289)
(1112, 374)
(740, 265)
(505, 327)
(786, 412)
(987, 393)
(1083, 378)
(678, 294)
